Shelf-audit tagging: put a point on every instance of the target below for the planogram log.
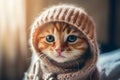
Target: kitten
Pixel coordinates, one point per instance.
(61, 42)
(63, 45)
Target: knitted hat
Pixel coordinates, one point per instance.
(74, 16)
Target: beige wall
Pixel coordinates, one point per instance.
(96, 8)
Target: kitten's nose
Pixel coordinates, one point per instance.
(59, 50)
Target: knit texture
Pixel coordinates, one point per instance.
(78, 18)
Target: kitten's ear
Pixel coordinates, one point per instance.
(35, 38)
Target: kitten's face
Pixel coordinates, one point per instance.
(61, 42)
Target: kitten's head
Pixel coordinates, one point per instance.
(61, 42)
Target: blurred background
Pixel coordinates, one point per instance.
(16, 16)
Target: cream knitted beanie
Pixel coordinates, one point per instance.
(76, 17)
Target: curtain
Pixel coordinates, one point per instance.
(13, 40)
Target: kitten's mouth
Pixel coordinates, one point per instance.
(60, 56)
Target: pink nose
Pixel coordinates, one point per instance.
(59, 50)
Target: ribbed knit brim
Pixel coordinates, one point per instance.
(76, 17)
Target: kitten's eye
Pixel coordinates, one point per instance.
(50, 38)
(71, 38)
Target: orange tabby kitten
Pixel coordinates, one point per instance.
(61, 47)
(61, 42)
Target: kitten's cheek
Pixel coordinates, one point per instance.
(55, 54)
